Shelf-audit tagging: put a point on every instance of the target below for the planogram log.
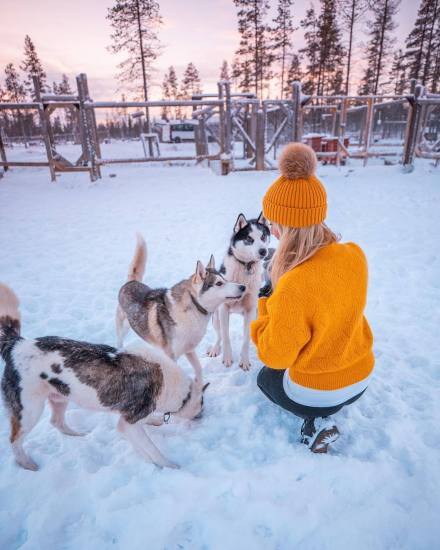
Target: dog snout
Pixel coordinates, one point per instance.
(242, 288)
(262, 252)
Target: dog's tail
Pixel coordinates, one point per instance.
(137, 266)
(9, 319)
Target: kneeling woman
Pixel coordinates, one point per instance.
(311, 331)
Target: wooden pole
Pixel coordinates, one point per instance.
(260, 145)
(2, 155)
(45, 123)
(87, 142)
(341, 129)
(368, 127)
(412, 128)
(296, 112)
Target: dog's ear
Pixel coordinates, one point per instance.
(261, 219)
(211, 263)
(240, 223)
(199, 273)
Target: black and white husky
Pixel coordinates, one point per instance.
(242, 264)
(174, 319)
(98, 377)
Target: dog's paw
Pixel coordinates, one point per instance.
(245, 364)
(213, 351)
(28, 464)
(227, 360)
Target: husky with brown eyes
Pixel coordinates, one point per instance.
(242, 264)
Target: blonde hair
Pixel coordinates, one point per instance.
(298, 244)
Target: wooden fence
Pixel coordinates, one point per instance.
(232, 119)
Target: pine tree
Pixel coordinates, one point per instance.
(135, 24)
(15, 93)
(254, 56)
(311, 50)
(435, 71)
(282, 38)
(15, 89)
(398, 73)
(63, 88)
(351, 12)
(190, 82)
(224, 71)
(379, 47)
(420, 44)
(330, 55)
(32, 66)
(165, 97)
(169, 90)
(294, 73)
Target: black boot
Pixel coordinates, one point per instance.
(308, 430)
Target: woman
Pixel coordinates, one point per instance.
(311, 331)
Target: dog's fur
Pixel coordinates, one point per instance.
(173, 319)
(97, 377)
(243, 264)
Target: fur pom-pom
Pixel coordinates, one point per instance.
(297, 160)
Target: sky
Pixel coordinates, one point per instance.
(73, 37)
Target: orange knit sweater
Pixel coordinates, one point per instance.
(314, 324)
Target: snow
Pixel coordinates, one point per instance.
(245, 480)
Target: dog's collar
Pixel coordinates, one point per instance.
(167, 415)
(247, 265)
(200, 308)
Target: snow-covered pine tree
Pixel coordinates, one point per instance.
(399, 79)
(135, 24)
(282, 39)
(254, 56)
(379, 48)
(294, 73)
(351, 12)
(420, 44)
(224, 71)
(331, 51)
(32, 66)
(311, 50)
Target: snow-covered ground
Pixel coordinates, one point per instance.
(245, 482)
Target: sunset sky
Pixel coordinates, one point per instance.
(72, 37)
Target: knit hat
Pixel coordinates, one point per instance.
(297, 198)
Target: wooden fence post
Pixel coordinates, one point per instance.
(88, 139)
(2, 155)
(368, 127)
(296, 112)
(260, 141)
(412, 129)
(45, 128)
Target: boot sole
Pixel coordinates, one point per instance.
(323, 440)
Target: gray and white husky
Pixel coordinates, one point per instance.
(242, 264)
(135, 385)
(174, 319)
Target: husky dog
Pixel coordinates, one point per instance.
(242, 264)
(173, 319)
(97, 377)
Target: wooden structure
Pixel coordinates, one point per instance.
(230, 119)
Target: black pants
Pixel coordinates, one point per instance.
(270, 382)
